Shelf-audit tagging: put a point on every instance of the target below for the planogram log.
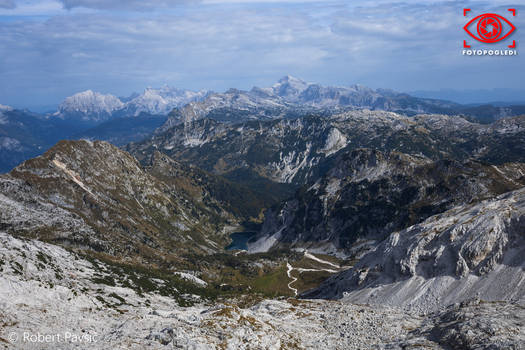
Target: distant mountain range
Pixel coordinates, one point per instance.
(97, 107)
(97, 116)
(24, 135)
(89, 115)
(292, 97)
(288, 93)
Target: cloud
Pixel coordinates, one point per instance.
(122, 4)
(405, 46)
(7, 4)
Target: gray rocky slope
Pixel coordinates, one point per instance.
(298, 151)
(473, 250)
(94, 196)
(368, 194)
(47, 290)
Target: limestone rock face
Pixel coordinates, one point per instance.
(299, 150)
(468, 251)
(89, 106)
(91, 194)
(368, 194)
(48, 290)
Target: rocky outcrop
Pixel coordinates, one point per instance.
(89, 106)
(368, 194)
(45, 289)
(93, 195)
(474, 324)
(299, 151)
(291, 97)
(470, 251)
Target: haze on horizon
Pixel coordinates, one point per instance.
(51, 49)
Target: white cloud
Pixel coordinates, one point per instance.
(7, 4)
(404, 46)
(123, 4)
(41, 8)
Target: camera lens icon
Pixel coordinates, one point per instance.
(490, 28)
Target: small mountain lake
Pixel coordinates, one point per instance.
(240, 240)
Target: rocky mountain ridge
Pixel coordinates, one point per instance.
(298, 151)
(291, 97)
(473, 250)
(109, 203)
(97, 107)
(368, 194)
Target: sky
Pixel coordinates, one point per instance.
(51, 49)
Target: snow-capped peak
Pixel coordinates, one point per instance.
(94, 106)
(288, 79)
(89, 102)
(163, 100)
(290, 86)
(4, 108)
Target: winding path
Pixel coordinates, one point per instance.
(312, 257)
(289, 273)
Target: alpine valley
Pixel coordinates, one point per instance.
(297, 216)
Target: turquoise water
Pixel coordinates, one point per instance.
(240, 240)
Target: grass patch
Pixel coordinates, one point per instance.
(309, 279)
(273, 284)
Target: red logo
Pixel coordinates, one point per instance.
(490, 28)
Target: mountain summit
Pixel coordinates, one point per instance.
(4, 109)
(89, 106)
(161, 101)
(96, 107)
(289, 87)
